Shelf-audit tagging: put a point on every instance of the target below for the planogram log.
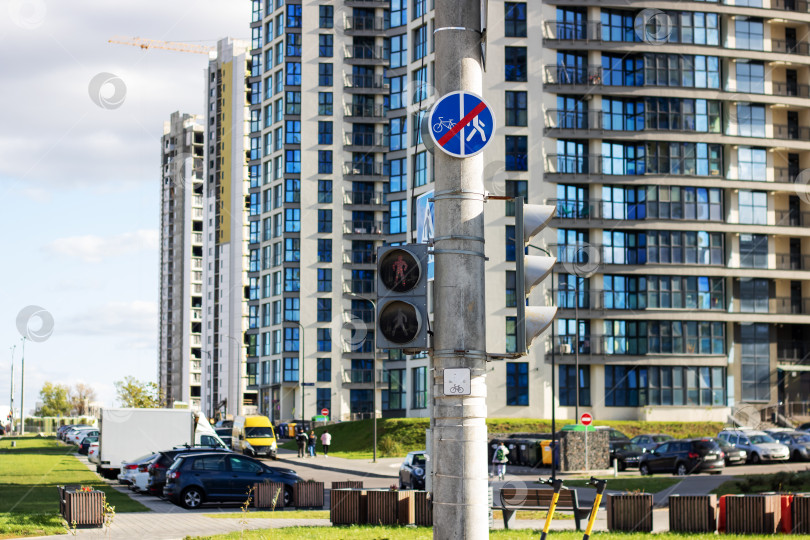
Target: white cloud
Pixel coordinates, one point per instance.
(93, 248)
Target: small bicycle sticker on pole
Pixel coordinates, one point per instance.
(457, 381)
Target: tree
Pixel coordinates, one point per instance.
(134, 393)
(80, 398)
(55, 400)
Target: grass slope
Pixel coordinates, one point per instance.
(30, 473)
(398, 436)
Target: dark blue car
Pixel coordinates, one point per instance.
(221, 477)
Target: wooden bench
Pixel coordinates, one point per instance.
(514, 499)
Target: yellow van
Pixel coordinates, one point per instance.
(254, 436)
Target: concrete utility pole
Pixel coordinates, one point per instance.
(459, 431)
(11, 393)
(22, 389)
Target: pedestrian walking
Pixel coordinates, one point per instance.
(301, 441)
(326, 440)
(499, 459)
(312, 441)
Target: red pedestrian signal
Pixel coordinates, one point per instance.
(402, 315)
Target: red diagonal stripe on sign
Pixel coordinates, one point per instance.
(463, 122)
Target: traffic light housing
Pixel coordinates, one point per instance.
(402, 310)
(530, 270)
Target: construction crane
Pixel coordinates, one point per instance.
(145, 43)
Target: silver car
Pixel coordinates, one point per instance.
(650, 441)
(758, 445)
(797, 441)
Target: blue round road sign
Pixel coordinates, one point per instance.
(461, 124)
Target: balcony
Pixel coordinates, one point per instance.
(360, 256)
(629, 302)
(784, 131)
(360, 287)
(364, 198)
(792, 261)
(790, 89)
(781, 306)
(369, 168)
(790, 47)
(789, 218)
(363, 54)
(621, 346)
(361, 376)
(363, 227)
(792, 351)
(356, 111)
(365, 83)
(360, 25)
(569, 31)
(369, 141)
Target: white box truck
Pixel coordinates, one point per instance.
(126, 434)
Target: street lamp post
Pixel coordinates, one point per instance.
(11, 392)
(22, 389)
(373, 373)
(301, 371)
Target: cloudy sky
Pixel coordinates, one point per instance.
(80, 178)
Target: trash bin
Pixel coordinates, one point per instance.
(532, 452)
(546, 451)
(514, 451)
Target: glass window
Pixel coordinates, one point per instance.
(750, 77)
(516, 114)
(324, 132)
(753, 207)
(323, 396)
(511, 334)
(324, 279)
(324, 250)
(324, 103)
(517, 383)
(324, 162)
(324, 221)
(748, 33)
(293, 73)
(567, 386)
(751, 163)
(515, 63)
(419, 380)
(292, 309)
(291, 370)
(326, 16)
(755, 362)
(399, 51)
(325, 45)
(750, 120)
(324, 337)
(517, 152)
(419, 42)
(324, 369)
(291, 339)
(324, 74)
(753, 250)
(754, 295)
(514, 19)
(399, 13)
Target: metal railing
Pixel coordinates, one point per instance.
(790, 47)
(784, 131)
(789, 306)
(364, 81)
(364, 197)
(791, 218)
(365, 315)
(360, 286)
(602, 300)
(365, 24)
(360, 256)
(572, 75)
(792, 351)
(365, 139)
(359, 226)
(563, 164)
(360, 376)
(792, 261)
(785, 174)
(788, 5)
(371, 168)
(790, 89)
(572, 31)
(365, 52)
(353, 110)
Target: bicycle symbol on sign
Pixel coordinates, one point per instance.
(442, 123)
(456, 389)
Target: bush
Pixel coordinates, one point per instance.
(390, 447)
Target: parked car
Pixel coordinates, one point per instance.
(649, 441)
(224, 424)
(412, 471)
(757, 444)
(625, 453)
(804, 427)
(61, 431)
(85, 445)
(92, 453)
(683, 457)
(613, 433)
(71, 430)
(731, 454)
(226, 434)
(158, 468)
(129, 468)
(77, 436)
(798, 442)
(140, 476)
(194, 479)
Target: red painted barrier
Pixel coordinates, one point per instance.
(787, 514)
(721, 525)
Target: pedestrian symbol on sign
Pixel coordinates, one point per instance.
(461, 124)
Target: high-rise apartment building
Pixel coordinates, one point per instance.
(670, 140)
(226, 288)
(181, 251)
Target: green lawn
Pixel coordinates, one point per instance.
(358, 532)
(398, 436)
(30, 473)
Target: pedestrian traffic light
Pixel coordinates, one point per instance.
(530, 270)
(402, 315)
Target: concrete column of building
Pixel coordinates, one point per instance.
(459, 432)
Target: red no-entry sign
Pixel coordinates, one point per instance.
(325, 412)
(586, 419)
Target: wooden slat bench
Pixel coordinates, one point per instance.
(514, 499)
